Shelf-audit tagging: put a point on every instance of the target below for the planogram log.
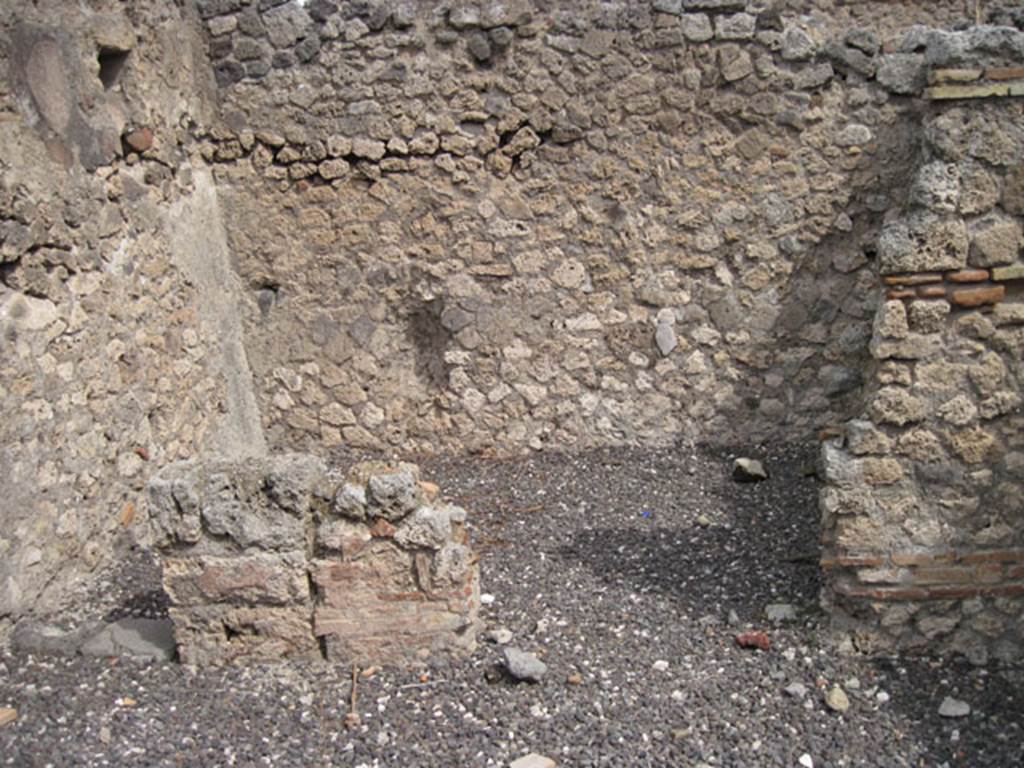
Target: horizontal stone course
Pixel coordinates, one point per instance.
(986, 91)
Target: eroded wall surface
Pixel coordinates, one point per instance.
(493, 226)
(112, 358)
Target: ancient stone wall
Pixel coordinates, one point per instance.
(502, 226)
(284, 558)
(120, 348)
(509, 225)
(923, 509)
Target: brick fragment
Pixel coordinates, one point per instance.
(382, 529)
(994, 556)
(968, 276)
(976, 297)
(922, 559)
(952, 593)
(1004, 73)
(754, 639)
(937, 76)
(990, 573)
(947, 575)
(430, 490)
(1007, 590)
(991, 90)
(899, 294)
(842, 561)
(918, 278)
(931, 292)
(139, 140)
(885, 593)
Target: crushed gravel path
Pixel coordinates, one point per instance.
(629, 572)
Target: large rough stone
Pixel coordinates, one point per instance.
(902, 73)
(892, 405)
(427, 527)
(797, 45)
(921, 242)
(46, 639)
(995, 240)
(226, 634)
(697, 27)
(937, 187)
(287, 24)
(1013, 191)
(393, 495)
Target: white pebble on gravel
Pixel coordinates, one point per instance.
(499, 636)
(796, 690)
(660, 665)
(837, 700)
(951, 707)
(533, 760)
(806, 760)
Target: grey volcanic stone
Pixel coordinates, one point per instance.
(523, 665)
(393, 495)
(428, 527)
(902, 73)
(146, 638)
(40, 638)
(746, 470)
(779, 612)
(951, 707)
(797, 45)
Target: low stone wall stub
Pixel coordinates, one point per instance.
(285, 558)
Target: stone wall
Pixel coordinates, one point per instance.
(500, 226)
(923, 509)
(119, 348)
(506, 226)
(283, 558)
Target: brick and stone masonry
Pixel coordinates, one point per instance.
(924, 494)
(284, 557)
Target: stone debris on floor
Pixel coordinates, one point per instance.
(533, 760)
(615, 594)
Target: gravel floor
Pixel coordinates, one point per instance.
(630, 572)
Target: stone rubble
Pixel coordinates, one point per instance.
(532, 760)
(523, 665)
(746, 470)
(837, 700)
